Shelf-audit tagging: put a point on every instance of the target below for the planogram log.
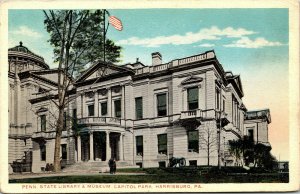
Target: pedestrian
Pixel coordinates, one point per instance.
(111, 165)
(114, 166)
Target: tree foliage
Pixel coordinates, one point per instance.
(80, 33)
(258, 153)
(236, 148)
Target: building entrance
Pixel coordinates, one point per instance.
(85, 147)
(114, 144)
(99, 146)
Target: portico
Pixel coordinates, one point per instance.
(100, 145)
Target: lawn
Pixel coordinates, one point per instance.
(155, 175)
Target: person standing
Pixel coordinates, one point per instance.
(114, 166)
(111, 165)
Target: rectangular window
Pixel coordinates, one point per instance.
(139, 145)
(223, 105)
(91, 110)
(103, 108)
(74, 116)
(117, 108)
(193, 141)
(64, 151)
(65, 121)
(233, 110)
(162, 143)
(218, 100)
(161, 104)
(139, 108)
(251, 134)
(193, 94)
(238, 118)
(43, 122)
(43, 152)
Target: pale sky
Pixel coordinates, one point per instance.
(250, 42)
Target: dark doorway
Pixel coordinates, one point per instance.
(114, 145)
(100, 145)
(85, 147)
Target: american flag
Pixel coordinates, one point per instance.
(115, 22)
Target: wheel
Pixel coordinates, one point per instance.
(182, 162)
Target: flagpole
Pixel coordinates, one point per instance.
(104, 33)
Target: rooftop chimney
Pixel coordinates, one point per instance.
(156, 58)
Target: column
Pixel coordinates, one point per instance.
(122, 101)
(79, 106)
(184, 99)
(84, 114)
(109, 102)
(96, 104)
(108, 151)
(121, 157)
(91, 146)
(78, 148)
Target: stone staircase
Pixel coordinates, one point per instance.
(95, 166)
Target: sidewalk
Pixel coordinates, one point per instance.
(52, 174)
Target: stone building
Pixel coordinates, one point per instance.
(139, 114)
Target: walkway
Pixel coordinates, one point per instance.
(52, 174)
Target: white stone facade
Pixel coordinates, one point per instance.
(141, 115)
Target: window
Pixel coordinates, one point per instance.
(139, 108)
(162, 143)
(139, 145)
(223, 105)
(193, 162)
(117, 108)
(218, 100)
(43, 152)
(193, 141)
(103, 108)
(65, 121)
(162, 164)
(64, 151)
(43, 122)
(250, 134)
(193, 94)
(161, 104)
(91, 110)
(74, 116)
(234, 110)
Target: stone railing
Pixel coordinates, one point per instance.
(50, 134)
(177, 62)
(44, 135)
(100, 120)
(191, 114)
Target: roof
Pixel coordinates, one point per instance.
(259, 114)
(90, 74)
(236, 82)
(25, 52)
(23, 49)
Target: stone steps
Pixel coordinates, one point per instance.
(94, 166)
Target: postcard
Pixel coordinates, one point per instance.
(149, 96)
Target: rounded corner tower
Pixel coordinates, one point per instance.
(20, 59)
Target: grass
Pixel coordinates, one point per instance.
(168, 175)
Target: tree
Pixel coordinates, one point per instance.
(263, 156)
(236, 148)
(77, 38)
(259, 154)
(208, 140)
